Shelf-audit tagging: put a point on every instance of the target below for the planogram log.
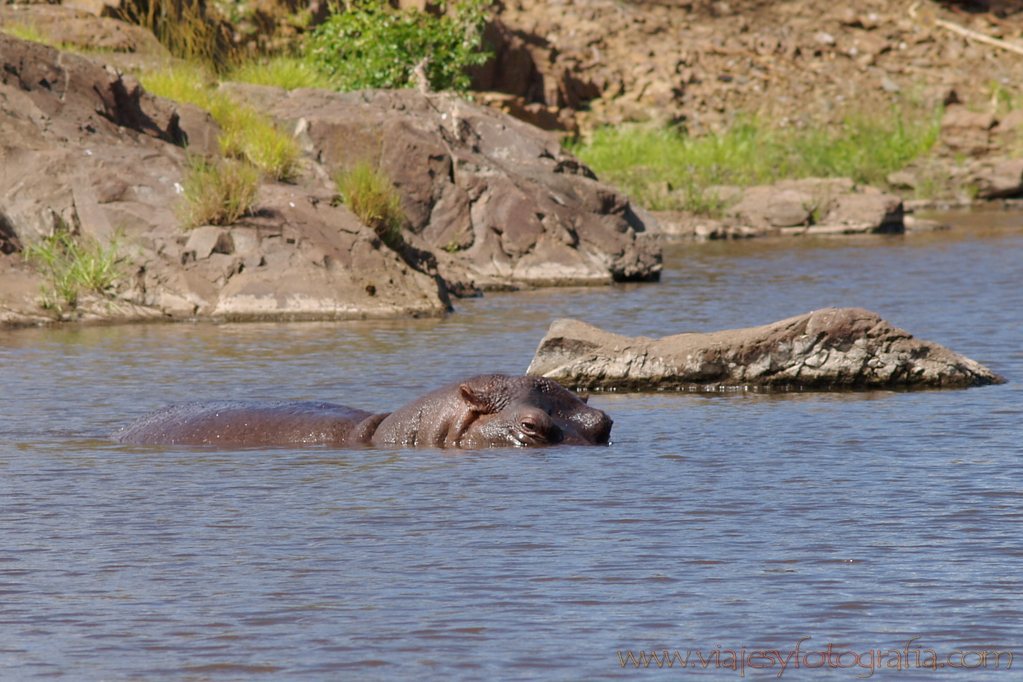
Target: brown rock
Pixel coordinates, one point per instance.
(770, 206)
(833, 348)
(966, 131)
(81, 26)
(482, 189)
(867, 212)
(90, 150)
(1002, 181)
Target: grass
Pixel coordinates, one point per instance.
(184, 29)
(371, 196)
(32, 33)
(73, 265)
(283, 72)
(247, 134)
(217, 192)
(25, 32)
(641, 160)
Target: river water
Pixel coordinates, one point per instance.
(721, 525)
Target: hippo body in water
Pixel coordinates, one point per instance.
(485, 411)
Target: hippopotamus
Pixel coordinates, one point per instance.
(484, 411)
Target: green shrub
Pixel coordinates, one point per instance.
(73, 265)
(217, 193)
(371, 196)
(640, 159)
(370, 45)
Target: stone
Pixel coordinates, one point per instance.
(82, 26)
(902, 180)
(1003, 181)
(206, 240)
(770, 206)
(867, 212)
(1011, 125)
(482, 189)
(93, 151)
(828, 349)
(966, 131)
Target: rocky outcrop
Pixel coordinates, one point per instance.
(492, 202)
(87, 150)
(499, 204)
(833, 348)
(811, 206)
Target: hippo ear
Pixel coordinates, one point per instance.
(585, 397)
(476, 401)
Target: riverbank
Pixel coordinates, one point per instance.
(790, 154)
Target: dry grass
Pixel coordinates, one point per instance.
(217, 192)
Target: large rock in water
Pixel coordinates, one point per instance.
(497, 201)
(833, 348)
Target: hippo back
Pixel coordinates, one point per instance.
(233, 423)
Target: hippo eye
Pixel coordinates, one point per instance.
(529, 425)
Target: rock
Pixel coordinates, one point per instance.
(914, 224)
(93, 151)
(1010, 127)
(82, 26)
(497, 202)
(491, 201)
(966, 131)
(868, 212)
(902, 180)
(1003, 181)
(832, 348)
(206, 240)
(769, 206)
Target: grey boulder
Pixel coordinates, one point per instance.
(832, 348)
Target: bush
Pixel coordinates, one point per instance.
(370, 45)
(217, 193)
(371, 196)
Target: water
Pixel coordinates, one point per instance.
(713, 523)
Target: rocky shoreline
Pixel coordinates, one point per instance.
(492, 202)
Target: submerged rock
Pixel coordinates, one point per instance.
(832, 348)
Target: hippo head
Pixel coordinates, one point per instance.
(527, 411)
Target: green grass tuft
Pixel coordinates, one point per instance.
(73, 265)
(247, 134)
(283, 72)
(217, 193)
(371, 196)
